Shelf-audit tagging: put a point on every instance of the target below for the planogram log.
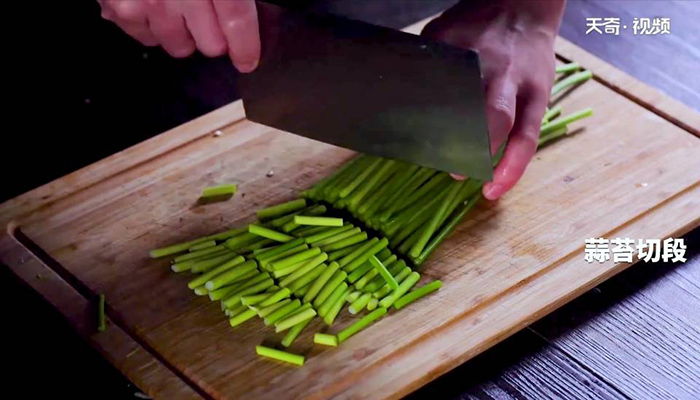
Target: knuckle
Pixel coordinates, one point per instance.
(127, 10)
(531, 135)
(538, 87)
(501, 106)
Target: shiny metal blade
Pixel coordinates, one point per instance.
(370, 89)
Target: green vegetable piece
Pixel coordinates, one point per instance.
(291, 225)
(210, 263)
(372, 304)
(446, 230)
(369, 187)
(361, 324)
(265, 311)
(326, 340)
(385, 290)
(294, 332)
(317, 221)
(295, 319)
(237, 310)
(556, 134)
(358, 273)
(279, 355)
(227, 275)
(232, 265)
(180, 247)
(272, 252)
(211, 251)
(238, 242)
(282, 312)
(551, 114)
(234, 285)
(261, 251)
(371, 274)
(394, 201)
(338, 254)
(293, 259)
(357, 253)
(337, 278)
(346, 242)
(253, 299)
(337, 238)
(269, 233)
(563, 121)
(429, 229)
(277, 296)
(281, 209)
(304, 269)
(289, 270)
(101, 320)
(310, 230)
(318, 284)
(426, 190)
(327, 232)
(566, 68)
(206, 261)
(403, 288)
(378, 281)
(241, 318)
(221, 190)
(353, 296)
(362, 258)
(354, 169)
(334, 310)
(256, 288)
(360, 303)
(360, 178)
(339, 292)
(202, 246)
(299, 293)
(298, 249)
(417, 294)
(571, 80)
(307, 278)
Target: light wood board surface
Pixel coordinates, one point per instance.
(629, 173)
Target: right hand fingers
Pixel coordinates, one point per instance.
(130, 16)
(168, 26)
(500, 110)
(239, 23)
(522, 143)
(203, 24)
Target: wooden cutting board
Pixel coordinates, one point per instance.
(633, 170)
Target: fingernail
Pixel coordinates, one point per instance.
(493, 191)
(457, 177)
(248, 66)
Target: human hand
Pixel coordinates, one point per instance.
(214, 27)
(515, 41)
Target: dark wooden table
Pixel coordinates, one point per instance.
(635, 336)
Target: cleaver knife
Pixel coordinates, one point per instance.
(369, 89)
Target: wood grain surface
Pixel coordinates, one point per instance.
(629, 172)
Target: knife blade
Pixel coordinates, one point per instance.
(370, 89)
